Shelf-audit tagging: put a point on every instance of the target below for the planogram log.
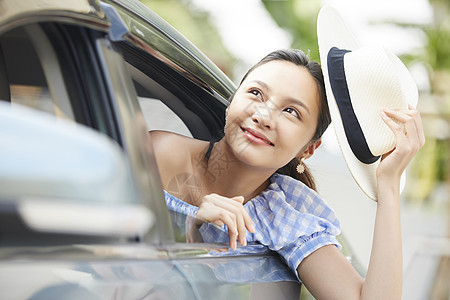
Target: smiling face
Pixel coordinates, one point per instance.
(273, 115)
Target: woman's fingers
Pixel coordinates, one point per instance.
(229, 211)
(218, 223)
(238, 214)
(419, 125)
(210, 212)
(228, 220)
(397, 121)
(247, 220)
(407, 128)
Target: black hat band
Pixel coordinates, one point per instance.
(352, 128)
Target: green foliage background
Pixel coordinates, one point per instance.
(299, 18)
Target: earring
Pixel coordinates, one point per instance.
(300, 167)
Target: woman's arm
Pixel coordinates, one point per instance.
(326, 272)
(385, 270)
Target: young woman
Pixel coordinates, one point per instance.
(252, 180)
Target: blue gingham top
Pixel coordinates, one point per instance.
(289, 218)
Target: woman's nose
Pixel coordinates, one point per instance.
(264, 117)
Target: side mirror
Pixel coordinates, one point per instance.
(62, 177)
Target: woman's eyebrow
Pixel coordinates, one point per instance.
(287, 99)
(262, 83)
(298, 102)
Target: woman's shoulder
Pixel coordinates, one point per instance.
(174, 145)
(174, 152)
(290, 213)
(291, 187)
(169, 146)
(174, 138)
(299, 196)
(161, 137)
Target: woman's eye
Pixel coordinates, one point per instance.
(293, 112)
(256, 93)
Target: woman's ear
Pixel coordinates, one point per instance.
(310, 148)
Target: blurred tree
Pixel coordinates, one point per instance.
(196, 26)
(431, 166)
(299, 18)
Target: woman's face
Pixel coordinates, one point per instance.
(273, 115)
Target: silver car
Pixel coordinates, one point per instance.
(82, 210)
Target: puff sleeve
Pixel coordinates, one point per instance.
(293, 220)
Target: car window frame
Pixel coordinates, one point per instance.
(136, 141)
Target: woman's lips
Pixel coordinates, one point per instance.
(256, 137)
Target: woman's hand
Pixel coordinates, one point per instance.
(229, 211)
(408, 130)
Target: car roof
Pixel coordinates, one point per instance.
(15, 13)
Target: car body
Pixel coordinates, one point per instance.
(82, 210)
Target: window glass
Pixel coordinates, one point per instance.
(37, 97)
(158, 116)
(41, 86)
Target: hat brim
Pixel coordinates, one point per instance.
(333, 32)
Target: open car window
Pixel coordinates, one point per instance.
(152, 98)
(193, 111)
(171, 102)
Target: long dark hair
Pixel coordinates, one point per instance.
(299, 58)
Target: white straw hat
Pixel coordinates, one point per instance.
(360, 81)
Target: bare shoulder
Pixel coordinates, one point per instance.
(174, 152)
(161, 139)
(170, 147)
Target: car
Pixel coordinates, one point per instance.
(82, 209)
